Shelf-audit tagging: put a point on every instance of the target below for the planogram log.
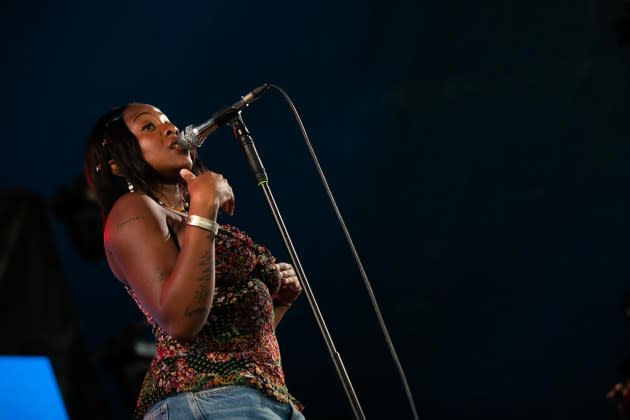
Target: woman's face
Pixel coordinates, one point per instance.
(157, 139)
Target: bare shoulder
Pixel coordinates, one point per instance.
(134, 228)
(131, 213)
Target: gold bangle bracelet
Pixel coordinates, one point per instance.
(203, 223)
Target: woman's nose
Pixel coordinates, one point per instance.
(170, 129)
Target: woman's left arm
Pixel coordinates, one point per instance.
(290, 290)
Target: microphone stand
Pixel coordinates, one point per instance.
(248, 148)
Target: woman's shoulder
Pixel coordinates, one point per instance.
(133, 206)
(131, 202)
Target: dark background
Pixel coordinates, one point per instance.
(477, 151)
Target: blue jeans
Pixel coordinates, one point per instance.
(233, 402)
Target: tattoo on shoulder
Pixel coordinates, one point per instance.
(130, 220)
(189, 313)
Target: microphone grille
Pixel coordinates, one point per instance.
(188, 139)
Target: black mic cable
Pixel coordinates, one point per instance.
(366, 281)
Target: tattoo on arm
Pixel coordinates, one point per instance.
(189, 313)
(160, 276)
(126, 222)
(203, 292)
(202, 295)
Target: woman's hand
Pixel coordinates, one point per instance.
(290, 288)
(209, 188)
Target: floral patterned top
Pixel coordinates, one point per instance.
(237, 345)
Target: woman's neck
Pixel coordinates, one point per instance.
(170, 195)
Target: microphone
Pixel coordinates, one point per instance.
(194, 136)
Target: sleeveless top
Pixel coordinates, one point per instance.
(237, 344)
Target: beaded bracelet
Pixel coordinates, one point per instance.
(203, 223)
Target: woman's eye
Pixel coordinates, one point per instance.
(148, 126)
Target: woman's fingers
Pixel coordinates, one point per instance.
(210, 186)
(288, 276)
(187, 175)
(228, 203)
(282, 266)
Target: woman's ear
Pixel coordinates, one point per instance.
(114, 168)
